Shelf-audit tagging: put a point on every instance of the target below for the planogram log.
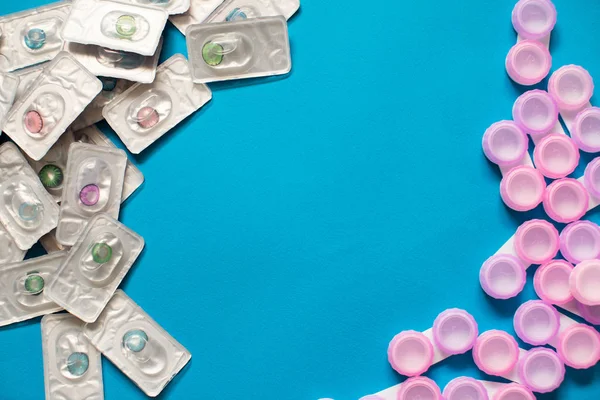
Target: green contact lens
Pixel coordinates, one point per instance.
(101, 253)
(135, 340)
(78, 363)
(126, 26)
(212, 53)
(34, 284)
(51, 176)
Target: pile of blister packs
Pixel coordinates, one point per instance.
(65, 67)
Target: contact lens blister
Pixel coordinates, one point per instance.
(22, 286)
(9, 252)
(33, 36)
(27, 211)
(116, 25)
(137, 345)
(146, 112)
(239, 49)
(102, 61)
(198, 12)
(72, 366)
(111, 87)
(50, 244)
(52, 102)
(9, 85)
(93, 185)
(173, 7)
(95, 267)
(235, 10)
(27, 76)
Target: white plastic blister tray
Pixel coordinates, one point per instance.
(173, 7)
(9, 252)
(198, 12)
(9, 85)
(111, 87)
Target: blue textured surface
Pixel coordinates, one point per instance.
(294, 225)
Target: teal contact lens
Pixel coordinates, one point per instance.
(78, 363)
(135, 340)
(35, 38)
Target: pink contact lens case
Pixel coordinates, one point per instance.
(534, 19)
(536, 241)
(590, 313)
(522, 188)
(514, 391)
(556, 156)
(551, 282)
(455, 331)
(420, 388)
(410, 353)
(465, 388)
(536, 112)
(528, 62)
(566, 200)
(505, 143)
(579, 241)
(536, 322)
(495, 352)
(585, 282)
(571, 86)
(579, 346)
(541, 370)
(502, 276)
(591, 177)
(585, 130)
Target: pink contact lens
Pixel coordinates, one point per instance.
(536, 241)
(410, 353)
(465, 388)
(591, 177)
(571, 87)
(514, 391)
(580, 241)
(496, 352)
(585, 282)
(536, 322)
(556, 156)
(586, 130)
(551, 282)
(590, 313)
(534, 19)
(90, 195)
(541, 370)
(502, 276)
(566, 200)
(147, 117)
(522, 188)
(528, 62)
(455, 331)
(34, 122)
(419, 388)
(505, 143)
(536, 112)
(579, 346)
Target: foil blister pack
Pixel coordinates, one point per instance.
(144, 113)
(173, 7)
(72, 366)
(198, 12)
(93, 185)
(22, 287)
(137, 345)
(50, 104)
(9, 85)
(235, 10)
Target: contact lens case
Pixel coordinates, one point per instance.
(463, 387)
(105, 62)
(52, 102)
(33, 36)
(9, 84)
(235, 10)
(584, 282)
(116, 25)
(72, 366)
(137, 345)
(585, 129)
(580, 241)
(145, 112)
(534, 19)
(95, 267)
(9, 252)
(22, 287)
(528, 62)
(239, 49)
(578, 345)
(197, 13)
(93, 185)
(536, 322)
(571, 86)
(173, 7)
(418, 387)
(27, 211)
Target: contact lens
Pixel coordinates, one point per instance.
(147, 117)
(236, 14)
(212, 53)
(33, 121)
(51, 176)
(108, 84)
(101, 253)
(90, 195)
(34, 284)
(35, 38)
(28, 211)
(126, 26)
(135, 340)
(78, 363)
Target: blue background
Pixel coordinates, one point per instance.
(294, 225)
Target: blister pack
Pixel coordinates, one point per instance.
(116, 25)
(72, 366)
(33, 36)
(144, 113)
(111, 87)
(9, 252)
(235, 10)
(95, 267)
(26, 77)
(9, 84)
(137, 345)
(27, 211)
(239, 49)
(22, 288)
(173, 7)
(51, 104)
(198, 12)
(102, 61)
(93, 185)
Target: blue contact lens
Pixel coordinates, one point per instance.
(35, 38)
(135, 340)
(236, 14)
(78, 363)
(28, 211)
(108, 84)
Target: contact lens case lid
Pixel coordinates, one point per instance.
(233, 10)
